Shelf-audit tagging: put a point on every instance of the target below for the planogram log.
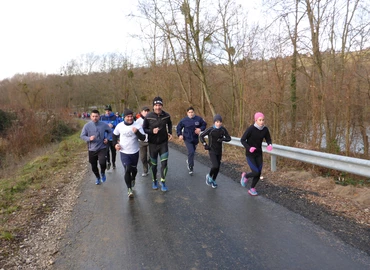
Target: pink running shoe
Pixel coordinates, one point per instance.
(253, 192)
(243, 180)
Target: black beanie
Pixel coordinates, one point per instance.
(127, 112)
(157, 100)
(217, 117)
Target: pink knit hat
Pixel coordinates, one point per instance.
(258, 115)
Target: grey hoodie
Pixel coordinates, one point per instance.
(100, 130)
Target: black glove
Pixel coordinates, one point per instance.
(206, 147)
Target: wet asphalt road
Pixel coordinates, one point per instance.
(193, 226)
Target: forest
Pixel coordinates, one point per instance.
(306, 66)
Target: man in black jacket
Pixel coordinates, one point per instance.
(158, 125)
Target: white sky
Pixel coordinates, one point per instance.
(43, 35)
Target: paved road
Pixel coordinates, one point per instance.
(193, 226)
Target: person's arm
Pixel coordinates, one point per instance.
(226, 137)
(146, 126)
(169, 125)
(268, 137)
(108, 130)
(84, 134)
(244, 139)
(203, 124)
(115, 139)
(179, 128)
(203, 134)
(140, 134)
(268, 140)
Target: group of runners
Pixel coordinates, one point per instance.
(150, 130)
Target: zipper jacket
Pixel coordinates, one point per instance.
(161, 121)
(215, 138)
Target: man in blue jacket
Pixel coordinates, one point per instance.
(188, 130)
(111, 119)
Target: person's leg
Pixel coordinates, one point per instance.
(163, 153)
(257, 164)
(126, 163)
(191, 152)
(114, 154)
(133, 171)
(103, 163)
(144, 156)
(107, 154)
(93, 160)
(216, 164)
(153, 153)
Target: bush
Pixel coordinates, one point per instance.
(6, 120)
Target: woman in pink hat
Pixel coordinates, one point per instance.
(252, 142)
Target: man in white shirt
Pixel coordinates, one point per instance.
(125, 140)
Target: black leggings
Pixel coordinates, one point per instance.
(129, 162)
(94, 157)
(255, 163)
(130, 174)
(216, 163)
(162, 151)
(111, 148)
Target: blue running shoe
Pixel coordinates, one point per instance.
(103, 177)
(243, 180)
(253, 192)
(97, 182)
(155, 184)
(208, 180)
(163, 186)
(214, 184)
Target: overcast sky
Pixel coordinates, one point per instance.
(42, 35)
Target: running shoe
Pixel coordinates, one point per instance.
(214, 184)
(187, 165)
(208, 180)
(114, 166)
(243, 180)
(130, 193)
(103, 177)
(97, 182)
(132, 182)
(108, 166)
(163, 186)
(252, 192)
(144, 174)
(155, 184)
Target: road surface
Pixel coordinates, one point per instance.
(193, 226)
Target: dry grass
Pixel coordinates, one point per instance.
(34, 178)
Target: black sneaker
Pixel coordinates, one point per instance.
(191, 170)
(108, 166)
(114, 166)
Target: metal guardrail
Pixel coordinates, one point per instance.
(341, 163)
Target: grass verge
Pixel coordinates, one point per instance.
(35, 179)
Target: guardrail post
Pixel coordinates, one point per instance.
(273, 163)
